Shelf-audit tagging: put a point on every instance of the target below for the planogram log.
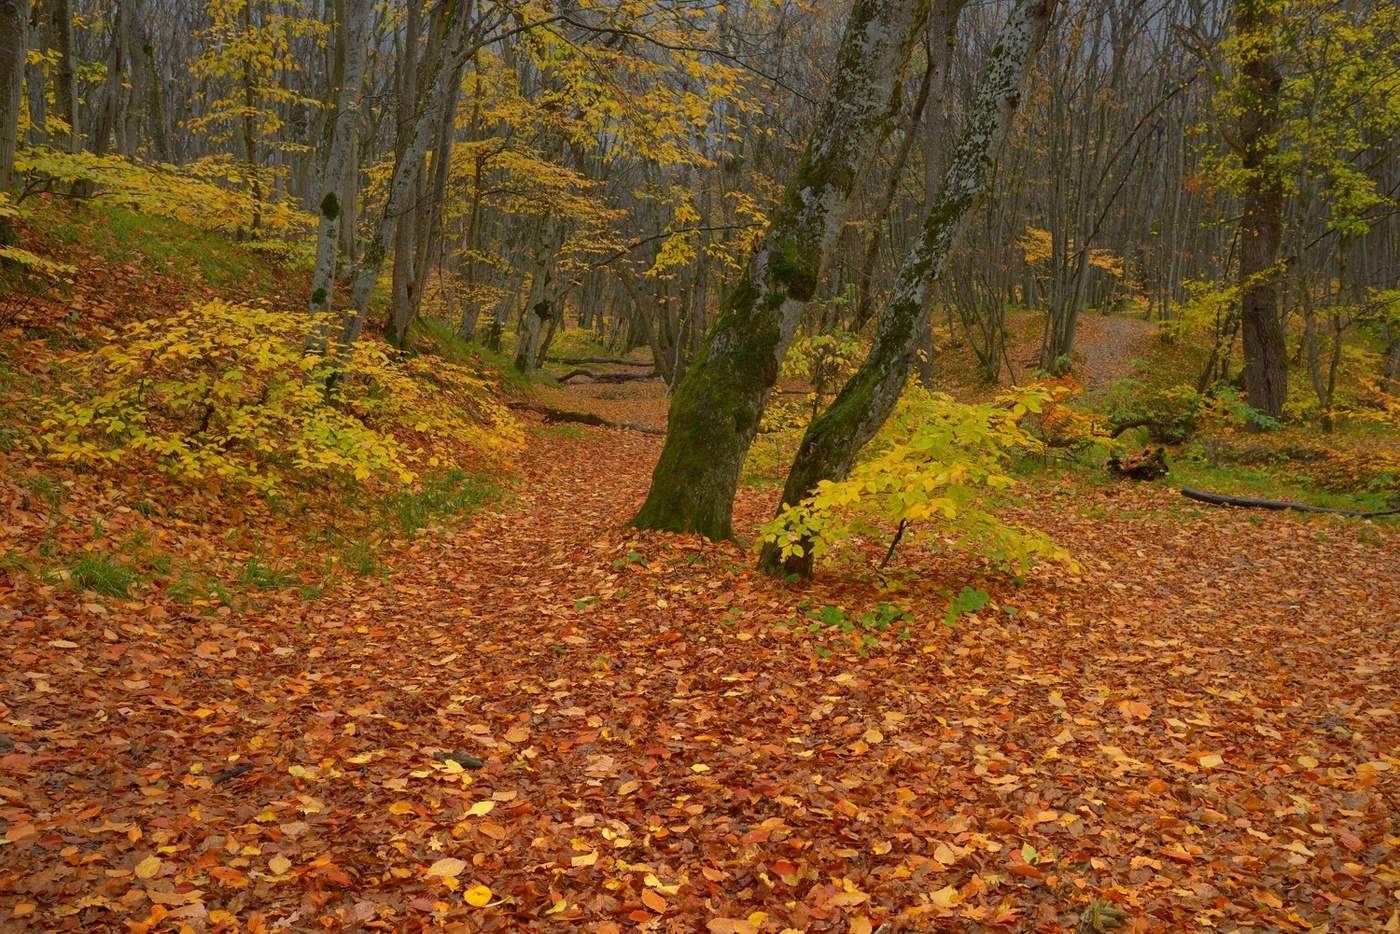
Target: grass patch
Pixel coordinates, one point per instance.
(453, 494)
(117, 233)
(1265, 483)
(258, 574)
(102, 574)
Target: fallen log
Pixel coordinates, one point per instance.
(1147, 464)
(600, 361)
(1243, 502)
(607, 377)
(552, 415)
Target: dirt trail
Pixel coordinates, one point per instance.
(1201, 726)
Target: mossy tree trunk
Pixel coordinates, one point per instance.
(833, 439)
(717, 404)
(1260, 85)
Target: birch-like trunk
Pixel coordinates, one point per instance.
(831, 442)
(717, 405)
(403, 184)
(331, 205)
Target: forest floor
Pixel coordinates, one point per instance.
(540, 720)
(1201, 728)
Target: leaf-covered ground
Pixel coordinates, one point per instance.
(545, 722)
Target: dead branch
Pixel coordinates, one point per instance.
(552, 414)
(1219, 499)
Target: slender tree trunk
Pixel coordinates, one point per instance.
(865, 278)
(1261, 226)
(427, 239)
(14, 15)
(155, 102)
(355, 36)
(61, 33)
(250, 125)
(831, 442)
(717, 405)
(401, 271)
(403, 183)
(35, 79)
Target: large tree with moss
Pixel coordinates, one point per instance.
(717, 405)
(833, 439)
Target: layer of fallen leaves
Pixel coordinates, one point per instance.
(544, 721)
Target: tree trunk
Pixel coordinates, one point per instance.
(1261, 226)
(355, 37)
(717, 405)
(403, 183)
(13, 17)
(831, 442)
(250, 125)
(61, 33)
(34, 79)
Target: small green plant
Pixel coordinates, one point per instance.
(867, 628)
(50, 491)
(362, 558)
(968, 600)
(1100, 917)
(260, 575)
(632, 557)
(104, 575)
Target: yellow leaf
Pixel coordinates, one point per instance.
(148, 867)
(400, 807)
(587, 859)
(279, 864)
(447, 867)
(699, 767)
(481, 809)
(945, 897)
(477, 896)
(1211, 761)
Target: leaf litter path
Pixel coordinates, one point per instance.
(1202, 729)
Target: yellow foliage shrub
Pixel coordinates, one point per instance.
(225, 391)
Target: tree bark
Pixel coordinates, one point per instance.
(402, 185)
(355, 36)
(34, 79)
(13, 16)
(1261, 226)
(61, 33)
(717, 404)
(831, 442)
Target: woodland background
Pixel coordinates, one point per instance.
(368, 369)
